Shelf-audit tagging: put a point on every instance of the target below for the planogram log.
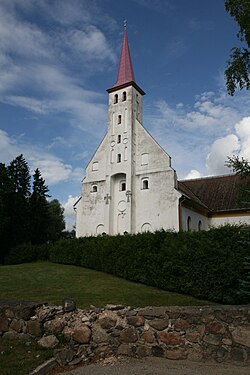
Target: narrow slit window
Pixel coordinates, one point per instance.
(123, 186)
(189, 223)
(124, 96)
(144, 185)
(119, 138)
(116, 98)
(119, 158)
(119, 119)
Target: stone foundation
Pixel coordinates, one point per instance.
(221, 333)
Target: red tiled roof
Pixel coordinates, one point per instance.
(216, 193)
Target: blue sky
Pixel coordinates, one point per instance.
(58, 57)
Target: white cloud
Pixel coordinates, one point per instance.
(38, 62)
(203, 135)
(52, 168)
(193, 174)
(90, 44)
(69, 212)
(220, 150)
(243, 131)
(232, 144)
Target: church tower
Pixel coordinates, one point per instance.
(130, 175)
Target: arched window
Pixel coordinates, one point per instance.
(123, 185)
(144, 159)
(144, 184)
(119, 119)
(94, 189)
(124, 96)
(189, 223)
(199, 226)
(119, 137)
(95, 166)
(116, 98)
(119, 158)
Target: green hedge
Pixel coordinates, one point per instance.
(205, 264)
(26, 253)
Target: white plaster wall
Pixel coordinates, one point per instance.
(195, 218)
(157, 205)
(91, 210)
(218, 221)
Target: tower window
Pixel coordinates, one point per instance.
(94, 189)
(116, 98)
(124, 96)
(119, 138)
(144, 184)
(189, 223)
(119, 158)
(123, 186)
(119, 119)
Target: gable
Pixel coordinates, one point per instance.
(150, 154)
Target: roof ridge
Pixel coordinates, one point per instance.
(209, 177)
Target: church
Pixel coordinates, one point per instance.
(130, 185)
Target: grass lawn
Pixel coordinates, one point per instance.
(51, 282)
(19, 358)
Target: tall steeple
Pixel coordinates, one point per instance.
(125, 76)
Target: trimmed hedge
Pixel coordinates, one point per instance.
(26, 253)
(206, 264)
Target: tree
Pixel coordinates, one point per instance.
(4, 217)
(39, 210)
(242, 167)
(238, 68)
(56, 220)
(18, 192)
(24, 216)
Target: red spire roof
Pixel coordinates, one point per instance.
(125, 74)
(125, 70)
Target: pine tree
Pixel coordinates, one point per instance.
(39, 210)
(56, 220)
(4, 214)
(18, 200)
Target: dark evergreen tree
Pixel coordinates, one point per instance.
(26, 217)
(39, 210)
(4, 211)
(18, 200)
(56, 220)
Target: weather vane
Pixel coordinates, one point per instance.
(125, 24)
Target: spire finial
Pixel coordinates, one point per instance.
(125, 24)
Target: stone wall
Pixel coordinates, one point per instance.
(221, 333)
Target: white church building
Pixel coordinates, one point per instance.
(130, 185)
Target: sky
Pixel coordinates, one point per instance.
(58, 58)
